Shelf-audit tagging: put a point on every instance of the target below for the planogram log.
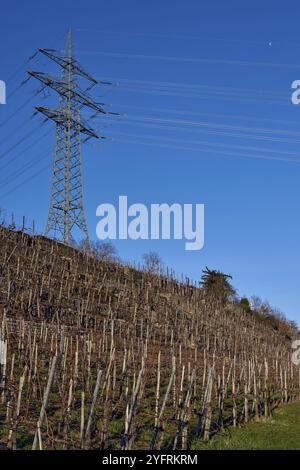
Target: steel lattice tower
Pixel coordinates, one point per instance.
(66, 213)
(66, 206)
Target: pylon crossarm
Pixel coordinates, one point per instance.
(62, 88)
(65, 63)
(62, 118)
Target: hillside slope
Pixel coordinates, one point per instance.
(165, 364)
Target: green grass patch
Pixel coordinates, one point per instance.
(280, 432)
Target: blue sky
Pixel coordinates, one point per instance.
(206, 88)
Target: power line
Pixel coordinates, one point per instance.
(12, 93)
(213, 132)
(21, 67)
(13, 133)
(199, 113)
(29, 179)
(211, 95)
(118, 55)
(192, 87)
(22, 152)
(3, 123)
(157, 143)
(15, 174)
(213, 144)
(192, 124)
(27, 136)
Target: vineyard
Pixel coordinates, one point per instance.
(101, 355)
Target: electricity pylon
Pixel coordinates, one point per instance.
(66, 213)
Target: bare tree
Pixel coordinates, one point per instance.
(153, 262)
(103, 251)
(272, 315)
